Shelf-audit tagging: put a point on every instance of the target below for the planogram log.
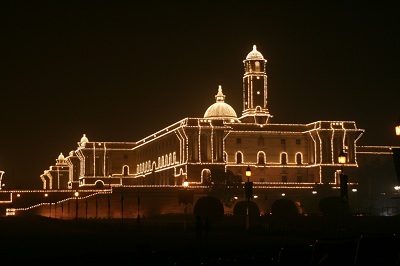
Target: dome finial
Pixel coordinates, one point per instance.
(220, 97)
(254, 47)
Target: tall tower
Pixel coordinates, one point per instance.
(255, 89)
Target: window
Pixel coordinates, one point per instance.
(284, 179)
(125, 170)
(125, 156)
(298, 158)
(239, 158)
(283, 141)
(283, 158)
(261, 159)
(238, 141)
(298, 142)
(299, 179)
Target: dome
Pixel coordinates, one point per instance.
(84, 138)
(83, 141)
(220, 109)
(254, 55)
(61, 157)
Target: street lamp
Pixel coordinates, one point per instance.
(185, 186)
(76, 204)
(249, 193)
(185, 196)
(108, 197)
(397, 128)
(138, 207)
(342, 159)
(396, 153)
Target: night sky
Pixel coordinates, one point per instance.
(121, 71)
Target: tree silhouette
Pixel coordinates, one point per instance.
(240, 210)
(224, 186)
(209, 207)
(284, 208)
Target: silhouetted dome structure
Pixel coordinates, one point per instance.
(220, 109)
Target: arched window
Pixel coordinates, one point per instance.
(205, 175)
(283, 158)
(125, 170)
(261, 158)
(239, 157)
(299, 158)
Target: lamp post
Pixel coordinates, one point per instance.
(396, 153)
(185, 196)
(138, 207)
(396, 159)
(108, 197)
(185, 185)
(76, 204)
(249, 192)
(342, 159)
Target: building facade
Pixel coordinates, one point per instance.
(290, 160)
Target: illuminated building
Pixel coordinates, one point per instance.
(285, 159)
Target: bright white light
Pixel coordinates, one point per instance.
(398, 130)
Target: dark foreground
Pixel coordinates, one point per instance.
(157, 242)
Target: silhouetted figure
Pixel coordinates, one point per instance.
(207, 227)
(199, 227)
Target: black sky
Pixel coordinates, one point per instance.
(121, 71)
